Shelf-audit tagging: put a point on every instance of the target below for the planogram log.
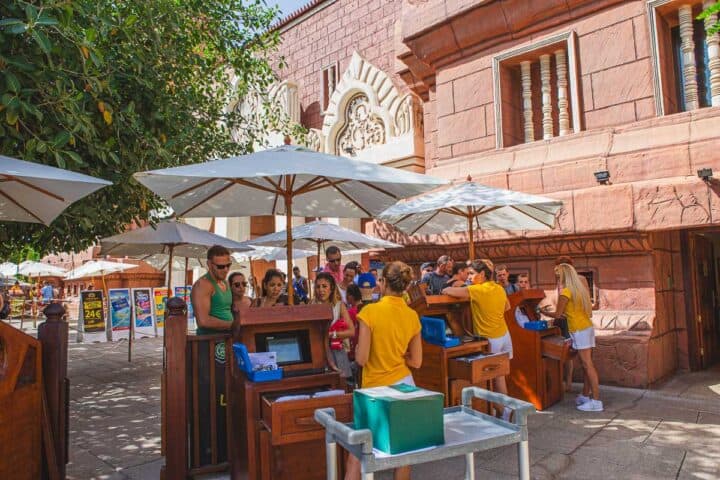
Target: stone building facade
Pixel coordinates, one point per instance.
(546, 97)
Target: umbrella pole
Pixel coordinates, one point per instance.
(470, 235)
(170, 269)
(288, 230)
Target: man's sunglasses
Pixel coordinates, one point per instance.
(335, 260)
(222, 266)
(239, 284)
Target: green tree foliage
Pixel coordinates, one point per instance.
(110, 88)
(713, 9)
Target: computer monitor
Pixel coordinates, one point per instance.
(292, 347)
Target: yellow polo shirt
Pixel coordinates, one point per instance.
(576, 316)
(393, 324)
(487, 304)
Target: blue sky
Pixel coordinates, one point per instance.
(288, 6)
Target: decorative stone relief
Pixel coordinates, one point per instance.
(314, 140)
(368, 117)
(362, 129)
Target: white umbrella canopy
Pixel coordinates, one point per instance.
(184, 240)
(287, 180)
(269, 254)
(8, 269)
(94, 268)
(175, 239)
(313, 236)
(470, 205)
(36, 193)
(30, 268)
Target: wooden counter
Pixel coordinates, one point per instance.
(271, 439)
(536, 369)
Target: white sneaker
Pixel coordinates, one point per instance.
(580, 399)
(591, 406)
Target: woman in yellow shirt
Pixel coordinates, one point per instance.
(389, 343)
(574, 304)
(488, 304)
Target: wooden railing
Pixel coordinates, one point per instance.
(196, 382)
(34, 400)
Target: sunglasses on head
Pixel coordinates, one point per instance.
(239, 284)
(222, 266)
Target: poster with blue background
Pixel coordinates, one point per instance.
(120, 312)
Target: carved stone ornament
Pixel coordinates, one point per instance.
(366, 112)
(314, 140)
(280, 101)
(362, 129)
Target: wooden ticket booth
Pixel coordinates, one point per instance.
(536, 369)
(280, 439)
(446, 369)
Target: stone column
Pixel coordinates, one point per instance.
(713, 47)
(527, 101)
(546, 97)
(562, 92)
(688, 55)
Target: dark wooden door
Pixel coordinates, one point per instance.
(705, 296)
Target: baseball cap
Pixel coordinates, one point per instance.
(426, 265)
(366, 280)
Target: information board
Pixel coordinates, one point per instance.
(120, 312)
(143, 312)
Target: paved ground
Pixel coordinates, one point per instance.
(671, 432)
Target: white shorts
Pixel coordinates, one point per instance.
(583, 339)
(407, 381)
(501, 344)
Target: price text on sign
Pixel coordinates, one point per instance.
(92, 309)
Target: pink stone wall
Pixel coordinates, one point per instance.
(330, 36)
(615, 70)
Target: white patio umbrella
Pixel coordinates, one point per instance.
(312, 236)
(470, 205)
(36, 193)
(93, 268)
(170, 238)
(30, 268)
(287, 180)
(8, 269)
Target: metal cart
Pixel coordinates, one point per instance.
(466, 431)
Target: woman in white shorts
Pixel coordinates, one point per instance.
(574, 304)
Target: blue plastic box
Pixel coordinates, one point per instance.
(433, 331)
(243, 361)
(536, 325)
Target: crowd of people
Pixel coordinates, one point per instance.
(373, 330)
(350, 292)
(33, 297)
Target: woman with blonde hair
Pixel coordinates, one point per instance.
(575, 304)
(389, 343)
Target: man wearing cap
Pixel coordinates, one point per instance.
(367, 283)
(437, 279)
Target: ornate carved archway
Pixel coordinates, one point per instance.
(369, 118)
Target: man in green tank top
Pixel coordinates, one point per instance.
(211, 294)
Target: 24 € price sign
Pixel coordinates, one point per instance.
(92, 310)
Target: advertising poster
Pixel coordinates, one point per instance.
(92, 316)
(120, 312)
(184, 293)
(160, 297)
(143, 312)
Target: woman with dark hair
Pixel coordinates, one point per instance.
(389, 343)
(238, 287)
(341, 328)
(459, 275)
(488, 304)
(272, 290)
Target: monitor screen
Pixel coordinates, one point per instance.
(292, 347)
(287, 349)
